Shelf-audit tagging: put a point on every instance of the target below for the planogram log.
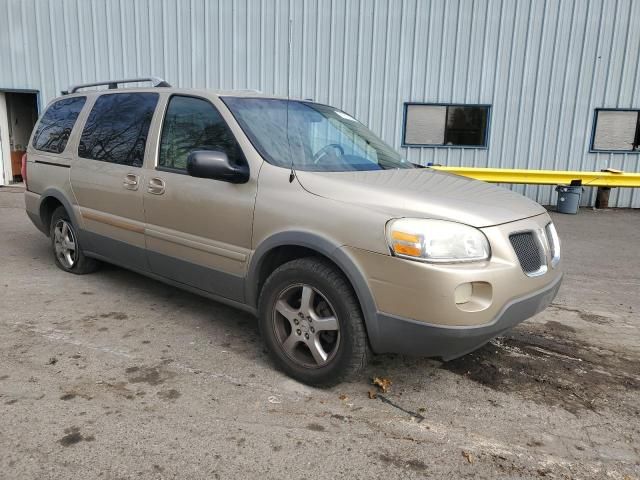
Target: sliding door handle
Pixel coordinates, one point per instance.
(156, 186)
(131, 181)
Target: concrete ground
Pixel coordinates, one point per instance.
(113, 375)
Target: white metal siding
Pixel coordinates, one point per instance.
(543, 65)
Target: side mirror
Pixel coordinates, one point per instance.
(215, 164)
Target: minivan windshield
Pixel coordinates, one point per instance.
(313, 137)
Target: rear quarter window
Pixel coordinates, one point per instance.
(117, 128)
(56, 125)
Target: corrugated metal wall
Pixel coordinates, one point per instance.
(544, 65)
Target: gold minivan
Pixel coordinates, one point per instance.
(291, 210)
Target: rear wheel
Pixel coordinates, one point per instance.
(311, 322)
(66, 248)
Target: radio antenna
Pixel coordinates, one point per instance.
(292, 174)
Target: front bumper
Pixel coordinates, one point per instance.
(401, 335)
(417, 307)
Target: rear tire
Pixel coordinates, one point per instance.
(67, 251)
(311, 323)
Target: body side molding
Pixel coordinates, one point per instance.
(112, 220)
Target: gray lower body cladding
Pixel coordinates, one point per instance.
(401, 335)
(182, 273)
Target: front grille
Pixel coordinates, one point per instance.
(528, 251)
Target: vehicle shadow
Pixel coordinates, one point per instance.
(189, 305)
(130, 304)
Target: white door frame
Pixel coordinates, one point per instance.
(5, 149)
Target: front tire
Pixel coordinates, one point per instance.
(311, 322)
(67, 252)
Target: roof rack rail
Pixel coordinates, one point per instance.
(156, 82)
(247, 90)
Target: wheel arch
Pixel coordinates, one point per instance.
(51, 199)
(267, 257)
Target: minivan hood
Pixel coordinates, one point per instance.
(423, 193)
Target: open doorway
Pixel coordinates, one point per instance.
(18, 115)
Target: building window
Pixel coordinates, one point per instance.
(616, 130)
(435, 125)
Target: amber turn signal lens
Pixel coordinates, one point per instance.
(406, 250)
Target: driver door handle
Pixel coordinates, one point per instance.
(156, 186)
(131, 181)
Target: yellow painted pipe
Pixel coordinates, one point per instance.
(611, 178)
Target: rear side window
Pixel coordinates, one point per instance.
(117, 128)
(56, 124)
(194, 124)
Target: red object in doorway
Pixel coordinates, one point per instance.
(16, 156)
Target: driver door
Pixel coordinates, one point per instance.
(198, 230)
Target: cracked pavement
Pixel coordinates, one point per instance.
(114, 375)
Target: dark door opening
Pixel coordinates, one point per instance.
(17, 119)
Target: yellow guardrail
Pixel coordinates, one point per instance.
(610, 178)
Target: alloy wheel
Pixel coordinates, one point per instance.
(65, 244)
(306, 326)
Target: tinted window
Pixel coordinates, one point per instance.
(194, 124)
(56, 124)
(117, 127)
(446, 125)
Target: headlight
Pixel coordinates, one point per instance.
(436, 241)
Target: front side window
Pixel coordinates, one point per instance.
(310, 136)
(192, 124)
(427, 125)
(616, 131)
(56, 124)
(117, 128)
